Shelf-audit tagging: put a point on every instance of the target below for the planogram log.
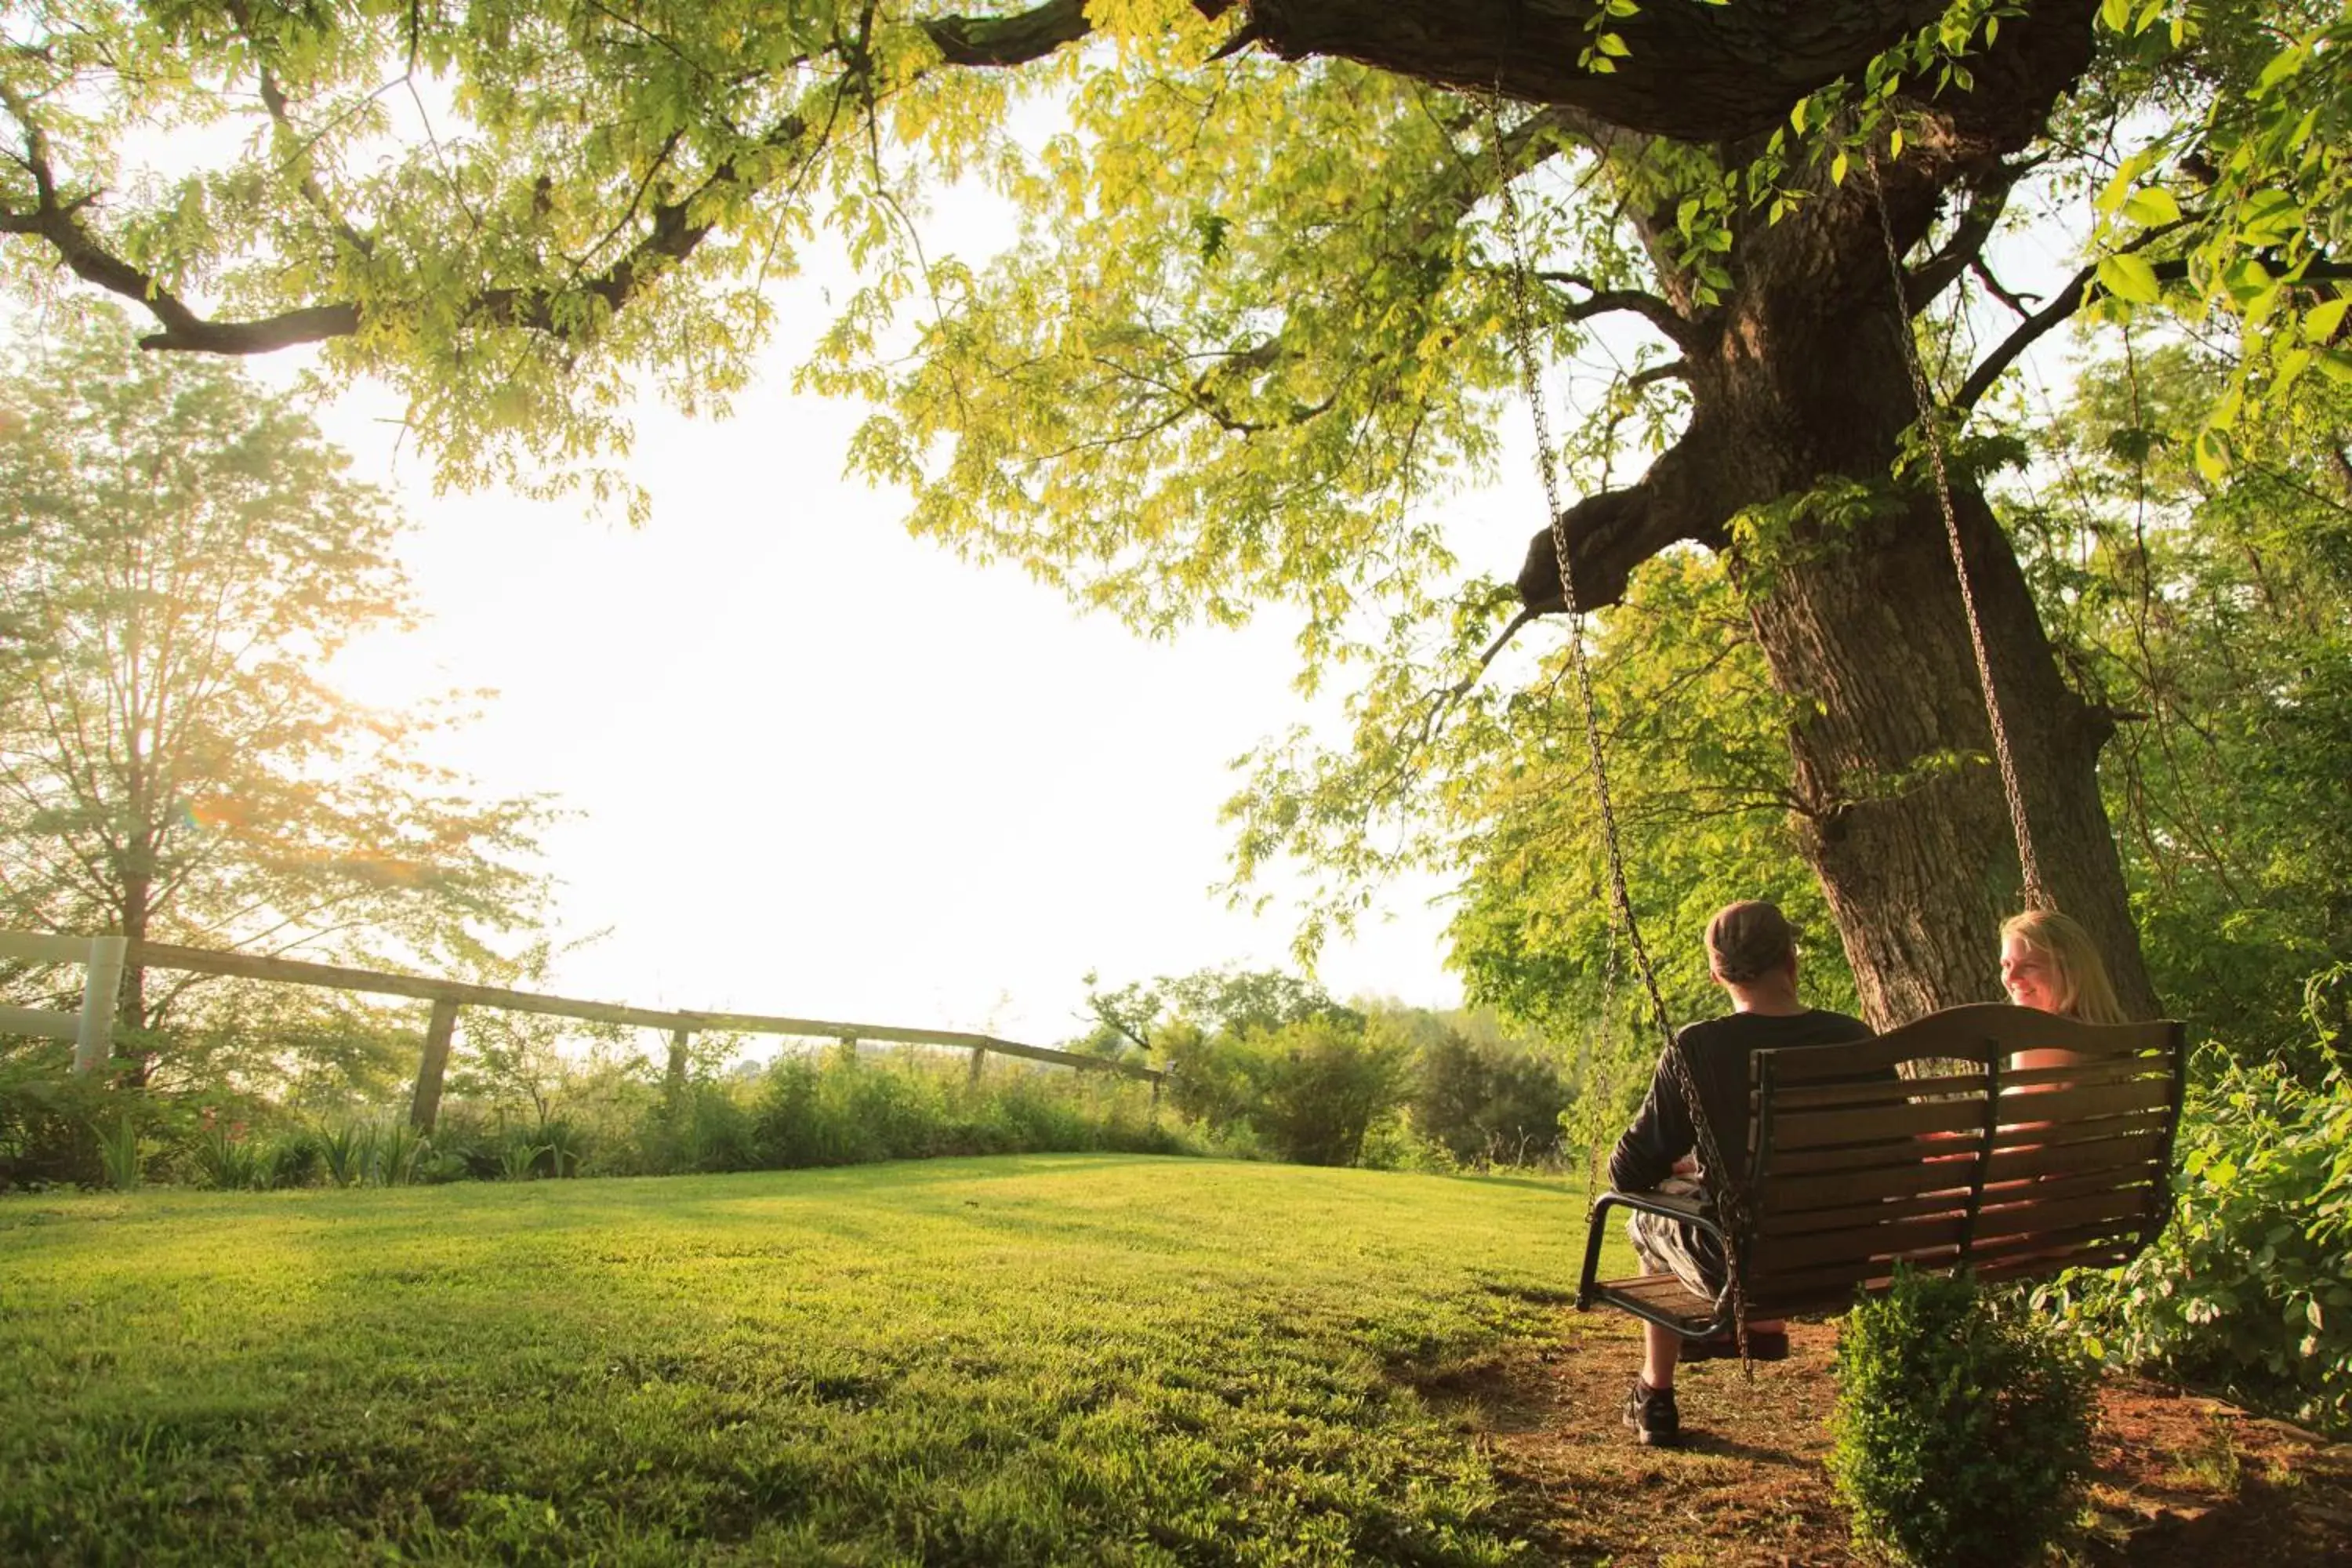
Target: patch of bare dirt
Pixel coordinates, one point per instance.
(2182, 1481)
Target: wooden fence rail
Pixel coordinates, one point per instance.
(448, 996)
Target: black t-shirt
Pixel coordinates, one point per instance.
(1717, 1051)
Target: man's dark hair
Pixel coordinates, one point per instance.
(1747, 940)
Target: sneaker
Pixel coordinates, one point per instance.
(1763, 1345)
(1651, 1416)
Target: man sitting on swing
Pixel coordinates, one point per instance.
(1752, 954)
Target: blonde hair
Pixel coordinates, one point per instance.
(2084, 989)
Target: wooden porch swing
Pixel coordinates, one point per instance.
(1853, 1167)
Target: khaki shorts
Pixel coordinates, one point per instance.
(1668, 1246)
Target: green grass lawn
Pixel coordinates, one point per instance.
(1053, 1359)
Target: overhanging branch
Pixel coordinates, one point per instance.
(1013, 40)
(670, 237)
(1673, 323)
(1986, 204)
(1683, 497)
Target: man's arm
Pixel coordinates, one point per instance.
(1661, 1135)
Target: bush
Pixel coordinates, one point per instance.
(1308, 1091)
(1325, 1085)
(49, 1120)
(1962, 1425)
(1395, 1143)
(1490, 1102)
(703, 1126)
(847, 1108)
(2250, 1287)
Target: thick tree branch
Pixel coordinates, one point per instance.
(1665, 370)
(671, 235)
(1696, 72)
(2021, 303)
(1013, 40)
(59, 221)
(1683, 497)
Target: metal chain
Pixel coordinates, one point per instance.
(2036, 898)
(1729, 1201)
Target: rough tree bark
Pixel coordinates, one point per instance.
(1798, 380)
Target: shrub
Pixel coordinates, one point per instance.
(1325, 1085)
(1395, 1143)
(228, 1160)
(49, 1119)
(2250, 1287)
(292, 1159)
(1487, 1101)
(1962, 1425)
(702, 1126)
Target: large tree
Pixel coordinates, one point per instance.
(1258, 318)
(181, 556)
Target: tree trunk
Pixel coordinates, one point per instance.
(1902, 814)
(131, 1006)
(1800, 398)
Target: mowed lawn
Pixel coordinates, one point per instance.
(1071, 1359)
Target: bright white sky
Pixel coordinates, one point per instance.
(824, 769)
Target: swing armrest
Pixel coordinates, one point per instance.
(1591, 1290)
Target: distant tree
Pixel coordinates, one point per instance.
(181, 555)
(1485, 1102)
(1130, 1018)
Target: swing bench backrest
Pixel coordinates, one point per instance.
(2017, 1174)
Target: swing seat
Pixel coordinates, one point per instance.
(1922, 1146)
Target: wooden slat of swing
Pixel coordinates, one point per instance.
(1663, 1295)
(1877, 1089)
(1902, 1238)
(2075, 1107)
(1849, 1217)
(1977, 1032)
(1899, 1154)
(2076, 1184)
(1876, 1123)
(1861, 1170)
(1899, 1177)
(2142, 1147)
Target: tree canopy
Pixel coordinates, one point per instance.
(1256, 329)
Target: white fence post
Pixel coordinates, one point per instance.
(101, 991)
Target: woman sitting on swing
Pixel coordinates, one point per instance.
(2048, 960)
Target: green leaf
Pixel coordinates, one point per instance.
(2129, 278)
(2152, 205)
(2212, 456)
(2245, 278)
(2116, 14)
(2319, 323)
(2282, 65)
(1837, 169)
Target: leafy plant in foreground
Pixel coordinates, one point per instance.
(343, 1150)
(226, 1160)
(2250, 1287)
(122, 1152)
(1962, 1425)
